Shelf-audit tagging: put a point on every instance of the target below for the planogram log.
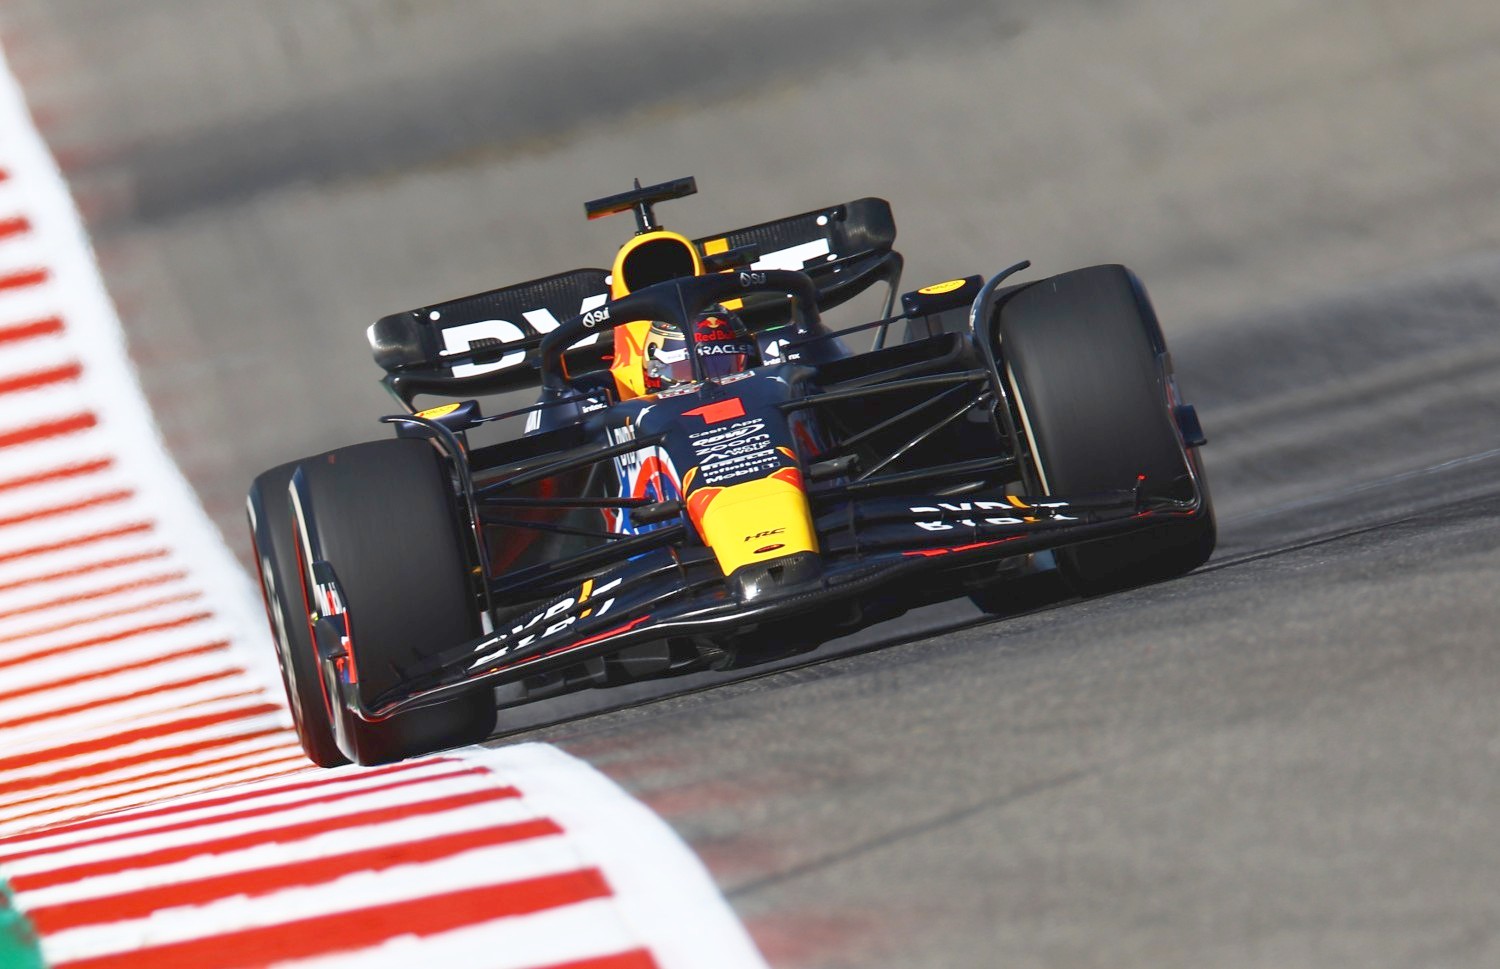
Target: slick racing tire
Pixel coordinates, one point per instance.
(1087, 363)
(382, 515)
(271, 532)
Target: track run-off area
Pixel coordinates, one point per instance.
(1287, 759)
(155, 809)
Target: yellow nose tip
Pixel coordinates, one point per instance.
(754, 521)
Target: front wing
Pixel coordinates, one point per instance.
(669, 592)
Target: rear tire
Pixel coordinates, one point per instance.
(386, 522)
(271, 529)
(1087, 362)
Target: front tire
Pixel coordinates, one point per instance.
(1087, 363)
(383, 516)
(271, 533)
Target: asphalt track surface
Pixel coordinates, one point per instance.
(1287, 759)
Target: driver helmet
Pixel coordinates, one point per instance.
(724, 345)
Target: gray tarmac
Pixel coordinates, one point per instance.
(1286, 759)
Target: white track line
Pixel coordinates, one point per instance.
(655, 877)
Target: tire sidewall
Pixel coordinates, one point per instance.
(279, 573)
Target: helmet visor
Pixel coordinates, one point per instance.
(724, 347)
(667, 360)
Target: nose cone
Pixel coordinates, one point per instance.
(757, 523)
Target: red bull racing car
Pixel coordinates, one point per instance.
(710, 477)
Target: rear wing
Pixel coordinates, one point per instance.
(845, 248)
(487, 343)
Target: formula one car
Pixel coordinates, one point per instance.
(711, 479)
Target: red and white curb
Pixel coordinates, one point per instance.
(397, 866)
(154, 807)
